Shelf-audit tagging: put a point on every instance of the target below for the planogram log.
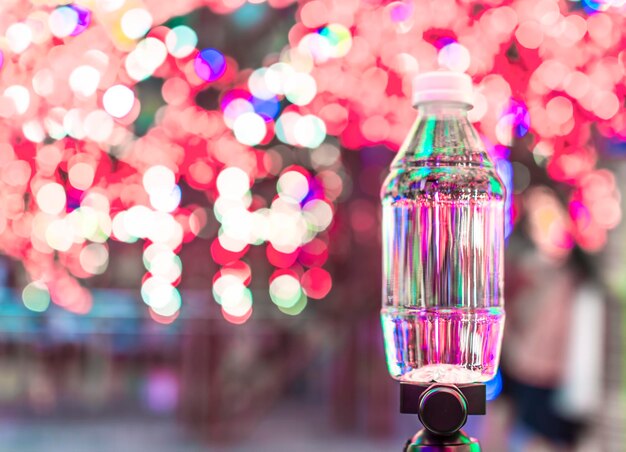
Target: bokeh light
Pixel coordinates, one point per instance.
(36, 297)
(249, 128)
(210, 65)
(294, 185)
(454, 57)
(51, 198)
(136, 22)
(19, 37)
(181, 41)
(285, 291)
(118, 100)
(316, 283)
(118, 127)
(233, 183)
(68, 20)
(339, 38)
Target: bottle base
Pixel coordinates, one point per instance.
(444, 373)
(444, 345)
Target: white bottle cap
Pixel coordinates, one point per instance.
(443, 86)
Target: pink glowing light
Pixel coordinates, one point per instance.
(74, 174)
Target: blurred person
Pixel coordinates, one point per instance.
(551, 348)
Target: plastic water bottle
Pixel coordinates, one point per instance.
(443, 243)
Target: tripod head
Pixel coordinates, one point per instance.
(442, 409)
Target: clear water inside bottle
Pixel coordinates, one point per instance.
(443, 241)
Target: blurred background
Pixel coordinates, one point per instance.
(189, 223)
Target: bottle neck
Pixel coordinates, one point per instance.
(442, 135)
(444, 109)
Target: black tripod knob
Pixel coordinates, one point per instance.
(443, 409)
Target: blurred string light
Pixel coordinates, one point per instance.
(118, 100)
(287, 294)
(181, 41)
(210, 65)
(68, 20)
(36, 297)
(592, 6)
(145, 58)
(136, 22)
(69, 104)
(231, 293)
